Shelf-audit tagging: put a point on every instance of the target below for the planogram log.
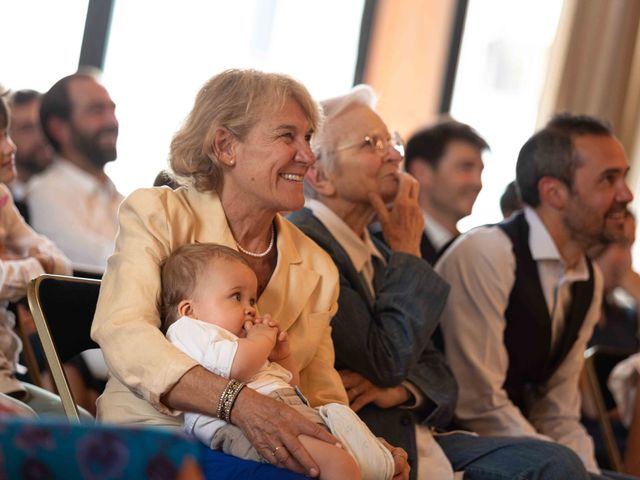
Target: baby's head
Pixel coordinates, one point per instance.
(208, 282)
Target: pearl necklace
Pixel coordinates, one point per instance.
(260, 254)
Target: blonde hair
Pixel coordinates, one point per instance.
(235, 100)
(181, 271)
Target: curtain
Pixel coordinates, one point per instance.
(594, 68)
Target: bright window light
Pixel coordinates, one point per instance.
(160, 53)
(41, 42)
(501, 74)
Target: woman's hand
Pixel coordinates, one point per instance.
(400, 463)
(403, 223)
(361, 392)
(273, 429)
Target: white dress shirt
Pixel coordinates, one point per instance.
(77, 211)
(435, 232)
(480, 267)
(358, 249)
(18, 189)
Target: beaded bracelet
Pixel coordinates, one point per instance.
(227, 399)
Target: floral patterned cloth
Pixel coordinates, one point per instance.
(33, 449)
(45, 449)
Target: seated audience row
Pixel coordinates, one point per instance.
(24, 255)
(516, 302)
(245, 161)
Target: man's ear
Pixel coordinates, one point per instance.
(320, 181)
(553, 192)
(59, 129)
(421, 171)
(224, 143)
(185, 308)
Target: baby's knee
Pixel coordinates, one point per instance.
(343, 466)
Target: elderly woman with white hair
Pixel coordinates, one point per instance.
(243, 151)
(390, 303)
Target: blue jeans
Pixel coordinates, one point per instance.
(607, 475)
(510, 458)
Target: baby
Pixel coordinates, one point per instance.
(208, 304)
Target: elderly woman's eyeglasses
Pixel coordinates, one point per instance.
(379, 144)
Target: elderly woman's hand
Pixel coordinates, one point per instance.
(403, 223)
(362, 392)
(273, 428)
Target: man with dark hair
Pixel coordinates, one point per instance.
(446, 159)
(524, 296)
(74, 202)
(34, 153)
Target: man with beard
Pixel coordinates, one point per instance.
(74, 202)
(446, 159)
(34, 153)
(390, 301)
(525, 298)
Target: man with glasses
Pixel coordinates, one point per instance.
(446, 159)
(390, 301)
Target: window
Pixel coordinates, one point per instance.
(160, 53)
(40, 42)
(501, 74)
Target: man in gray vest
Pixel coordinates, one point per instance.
(524, 297)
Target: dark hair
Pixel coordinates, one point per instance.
(56, 103)
(23, 97)
(181, 270)
(431, 143)
(510, 200)
(551, 153)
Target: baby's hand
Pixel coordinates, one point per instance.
(261, 329)
(281, 349)
(266, 319)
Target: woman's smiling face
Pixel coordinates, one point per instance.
(270, 163)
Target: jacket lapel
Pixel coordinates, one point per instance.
(299, 279)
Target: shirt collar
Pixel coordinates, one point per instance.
(543, 248)
(358, 250)
(83, 179)
(437, 234)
